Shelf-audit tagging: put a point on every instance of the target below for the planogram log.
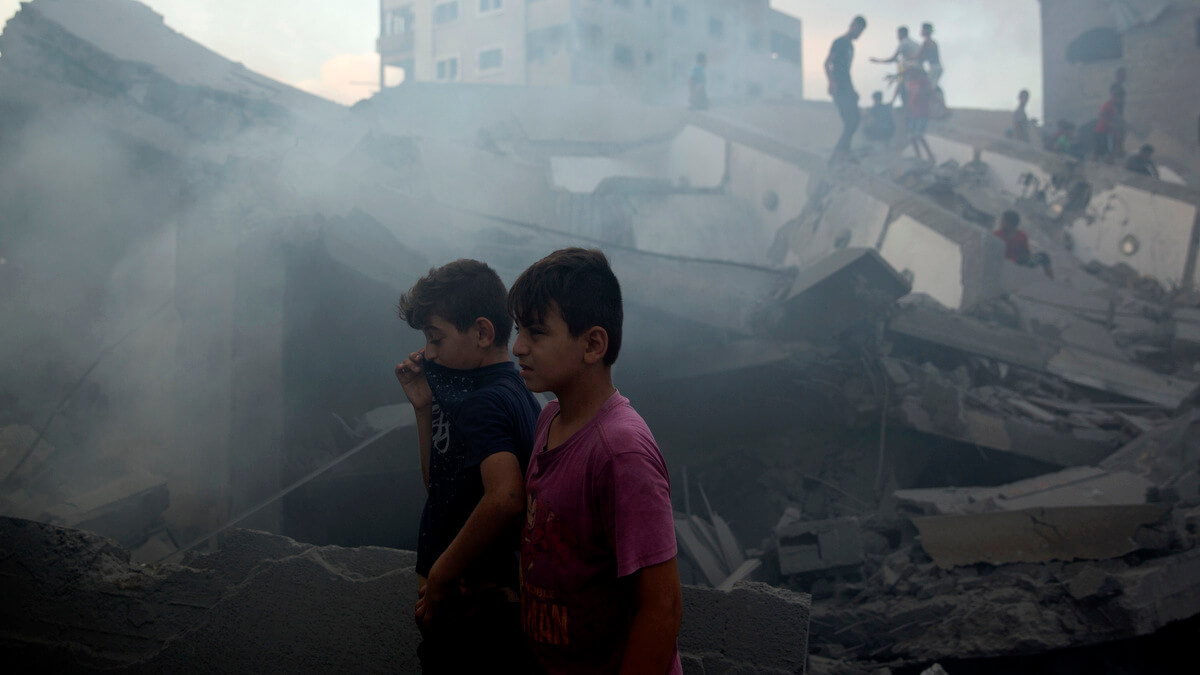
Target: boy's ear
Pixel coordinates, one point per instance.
(485, 333)
(595, 345)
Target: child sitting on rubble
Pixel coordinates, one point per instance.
(475, 423)
(880, 125)
(599, 583)
(1016, 244)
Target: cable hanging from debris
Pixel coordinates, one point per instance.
(281, 494)
(62, 403)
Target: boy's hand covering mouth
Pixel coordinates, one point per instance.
(411, 375)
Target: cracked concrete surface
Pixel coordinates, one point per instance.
(265, 603)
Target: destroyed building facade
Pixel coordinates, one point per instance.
(849, 382)
(1156, 42)
(644, 47)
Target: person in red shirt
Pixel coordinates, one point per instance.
(599, 582)
(1016, 244)
(1111, 124)
(920, 101)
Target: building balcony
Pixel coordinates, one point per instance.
(548, 13)
(396, 46)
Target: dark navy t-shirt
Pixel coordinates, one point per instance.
(476, 413)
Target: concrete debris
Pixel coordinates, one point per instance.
(1038, 534)
(712, 547)
(849, 286)
(859, 322)
(73, 601)
(809, 546)
(1091, 370)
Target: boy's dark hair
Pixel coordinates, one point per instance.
(582, 284)
(458, 292)
(1011, 218)
(902, 31)
(927, 27)
(859, 20)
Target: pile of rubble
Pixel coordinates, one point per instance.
(264, 603)
(858, 351)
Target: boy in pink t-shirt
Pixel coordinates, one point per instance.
(599, 584)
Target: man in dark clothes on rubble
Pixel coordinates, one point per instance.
(837, 69)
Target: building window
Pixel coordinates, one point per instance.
(486, 6)
(589, 35)
(716, 28)
(1098, 44)
(398, 21)
(447, 69)
(491, 59)
(623, 57)
(785, 47)
(445, 12)
(678, 15)
(545, 42)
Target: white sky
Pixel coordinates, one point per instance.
(991, 49)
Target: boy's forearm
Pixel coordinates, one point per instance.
(491, 519)
(424, 418)
(652, 639)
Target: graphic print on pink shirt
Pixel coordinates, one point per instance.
(599, 509)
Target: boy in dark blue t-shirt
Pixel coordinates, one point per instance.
(475, 427)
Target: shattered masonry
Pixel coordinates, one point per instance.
(912, 440)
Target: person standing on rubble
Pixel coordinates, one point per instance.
(905, 58)
(1016, 244)
(1110, 127)
(841, 88)
(1020, 127)
(931, 54)
(475, 426)
(920, 105)
(698, 84)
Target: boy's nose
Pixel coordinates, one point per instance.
(518, 347)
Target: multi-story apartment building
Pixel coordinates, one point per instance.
(648, 46)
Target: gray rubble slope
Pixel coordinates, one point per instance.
(265, 603)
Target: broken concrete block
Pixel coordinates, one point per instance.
(1038, 534)
(753, 628)
(1087, 369)
(846, 287)
(1093, 582)
(820, 545)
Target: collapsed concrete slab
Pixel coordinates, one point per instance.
(1151, 225)
(947, 258)
(267, 603)
(847, 287)
(1095, 371)
(809, 546)
(1037, 534)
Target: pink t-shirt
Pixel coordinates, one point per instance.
(599, 509)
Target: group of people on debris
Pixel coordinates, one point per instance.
(547, 541)
(917, 82)
(1103, 138)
